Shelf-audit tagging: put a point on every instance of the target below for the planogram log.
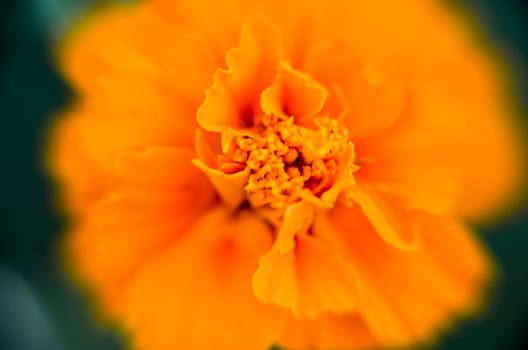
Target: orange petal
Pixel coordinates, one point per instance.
(297, 219)
(229, 186)
(328, 331)
(226, 139)
(293, 94)
(407, 297)
(204, 151)
(336, 105)
(234, 98)
(82, 181)
(494, 170)
(307, 280)
(345, 177)
(93, 133)
(428, 185)
(317, 203)
(202, 286)
(303, 23)
(492, 150)
(393, 223)
(220, 24)
(373, 102)
(108, 129)
(418, 159)
(143, 213)
(135, 92)
(112, 56)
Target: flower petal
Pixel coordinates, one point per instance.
(373, 102)
(234, 98)
(345, 176)
(135, 92)
(491, 152)
(137, 218)
(220, 24)
(293, 94)
(393, 223)
(328, 331)
(407, 296)
(83, 182)
(204, 151)
(107, 129)
(113, 57)
(189, 290)
(297, 218)
(418, 160)
(229, 186)
(92, 135)
(307, 280)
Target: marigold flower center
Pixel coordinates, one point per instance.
(286, 159)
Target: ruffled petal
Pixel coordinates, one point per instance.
(461, 129)
(304, 23)
(297, 218)
(408, 297)
(419, 159)
(197, 294)
(115, 59)
(217, 21)
(107, 129)
(328, 331)
(83, 182)
(373, 102)
(393, 223)
(204, 151)
(293, 94)
(420, 183)
(491, 152)
(137, 219)
(135, 92)
(307, 280)
(234, 98)
(230, 187)
(345, 177)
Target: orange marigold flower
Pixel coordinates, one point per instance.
(249, 173)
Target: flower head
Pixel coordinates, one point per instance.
(248, 173)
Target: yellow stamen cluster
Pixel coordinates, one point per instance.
(285, 159)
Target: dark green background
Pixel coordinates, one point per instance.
(39, 310)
